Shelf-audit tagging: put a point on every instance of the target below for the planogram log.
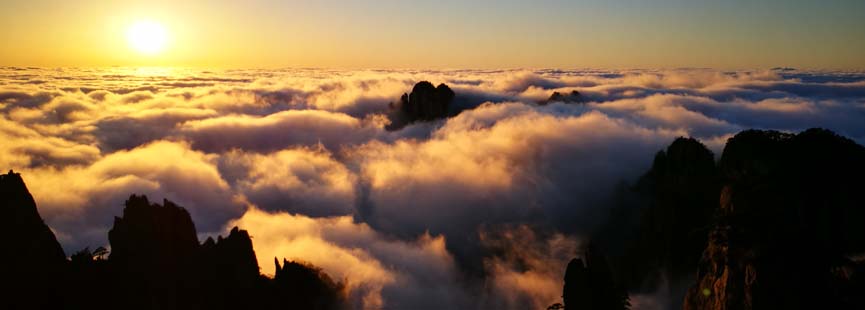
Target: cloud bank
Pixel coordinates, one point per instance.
(483, 209)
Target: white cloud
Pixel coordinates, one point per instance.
(380, 205)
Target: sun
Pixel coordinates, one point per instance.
(147, 37)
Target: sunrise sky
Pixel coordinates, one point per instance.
(453, 154)
(440, 34)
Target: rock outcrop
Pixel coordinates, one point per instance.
(590, 285)
(23, 230)
(790, 217)
(155, 262)
(32, 259)
(233, 257)
(153, 254)
(158, 262)
(682, 187)
(307, 286)
(777, 223)
(152, 233)
(658, 231)
(229, 271)
(572, 97)
(425, 103)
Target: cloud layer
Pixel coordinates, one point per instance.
(479, 210)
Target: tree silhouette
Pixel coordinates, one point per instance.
(100, 253)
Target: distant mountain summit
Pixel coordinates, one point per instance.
(572, 97)
(425, 103)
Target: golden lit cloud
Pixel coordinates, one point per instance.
(373, 265)
(307, 149)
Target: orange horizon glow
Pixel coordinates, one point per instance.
(262, 34)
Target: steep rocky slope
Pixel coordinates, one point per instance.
(791, 215)
(32, 258)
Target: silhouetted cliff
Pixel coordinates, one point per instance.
(32, 258)
(425, 103)
(304, 286)
(791, 214)
(777, 223)
(156, 262)
(153, 254)
(658, 228)
(230, 260)
(230, 274)
(590, 284)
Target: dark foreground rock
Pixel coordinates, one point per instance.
(790, 221)
(32, 257)
(159, 263)
(658, 228)
(778, 223)
(589, 284)
(155, 262)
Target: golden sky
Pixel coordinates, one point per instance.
(440, 34)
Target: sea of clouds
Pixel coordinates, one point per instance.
(482, 210)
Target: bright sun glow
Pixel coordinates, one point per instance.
(147, 37)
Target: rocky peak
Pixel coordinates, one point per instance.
(156, 262)
(307, 287)
(685, 157)
(425, 103)
(790, 216)
(152, 232)
(233, 257)
(659, 229)
(751, 154)
(23, 228)
(589, 284)
(34, 257)
(572, 97)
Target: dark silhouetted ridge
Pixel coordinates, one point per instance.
(155, 262)
(32, 259)
(233, 257)
(589, 284)
(230, 271)
(682, 189)
(790, 217)
(308, 285)
(777, 223)
(154, 252)
(658, 228)
(160, 263)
